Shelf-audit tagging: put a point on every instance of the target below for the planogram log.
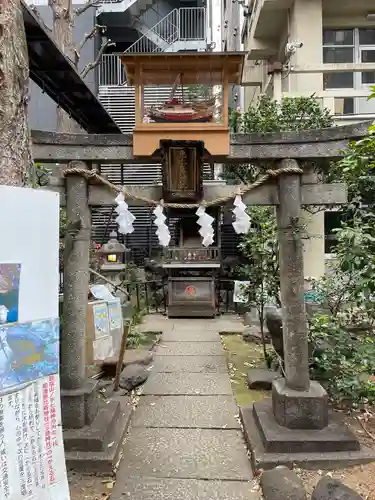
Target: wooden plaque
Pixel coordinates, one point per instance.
(182, 163)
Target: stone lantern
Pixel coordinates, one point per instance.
(112, 259)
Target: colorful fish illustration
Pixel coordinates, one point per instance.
(27, 347)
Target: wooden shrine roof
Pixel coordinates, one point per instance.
(196, 67)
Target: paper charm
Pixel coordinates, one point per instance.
(242, 221)
(206, 230)
(124, 219)
(162, 231)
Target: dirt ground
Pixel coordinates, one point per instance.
(89, 487)
(242, 356)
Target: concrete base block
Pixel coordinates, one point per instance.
(278, 439)
(319, 459)
(300, 410)
(95, 448)
(79, 406)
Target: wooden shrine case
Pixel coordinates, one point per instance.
(197, 108)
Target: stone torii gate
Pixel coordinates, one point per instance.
(298, 403)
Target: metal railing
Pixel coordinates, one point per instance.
(111, 71)
(193, 254)
(152, 296)
(180, 25)
(148, 296)
(160, 36)
(192, 23)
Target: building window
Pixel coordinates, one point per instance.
(349, 46)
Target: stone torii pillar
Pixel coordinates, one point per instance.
(297, 401)
(93, 431)
(77, 393)
(294, 428)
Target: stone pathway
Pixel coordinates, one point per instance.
(185, 442)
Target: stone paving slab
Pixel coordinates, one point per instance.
(144, 488)
(155, 323)
(192, 364)
(188, 384)
(191, 334)
(189, 349)
(186, 454)
(215, 412)
(226, 323)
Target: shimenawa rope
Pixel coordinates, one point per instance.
(270, 174)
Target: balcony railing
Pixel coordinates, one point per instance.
(189, 255)
(182, 25)
(111, 71)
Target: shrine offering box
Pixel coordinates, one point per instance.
(192, 297)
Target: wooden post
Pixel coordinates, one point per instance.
(295, 330)
(225, 117)
(138, 97)
(121, 355)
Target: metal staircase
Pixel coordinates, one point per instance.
(180, 29)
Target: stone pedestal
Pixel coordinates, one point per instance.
(79, 406)
(295, 426)
(92, 429)
(300, 409)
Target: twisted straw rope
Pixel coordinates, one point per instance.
(270, 174)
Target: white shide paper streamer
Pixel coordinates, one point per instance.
(206, 230)
(162, 231)
(242, 222)
(125, 218)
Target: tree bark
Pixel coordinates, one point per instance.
(63, 23)
(15, 142)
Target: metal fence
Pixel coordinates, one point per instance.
(152, 296)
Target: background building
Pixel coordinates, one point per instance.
(327, 48)
(137, 26)
(304, 47)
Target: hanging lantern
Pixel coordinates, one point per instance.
(206, 230)
(242, 222)
(125, 218)
(162, 231)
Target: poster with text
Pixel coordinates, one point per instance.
(32, 462)
(101, 320)
(115, 315)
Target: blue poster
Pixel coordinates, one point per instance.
(28, 351)
(115, 315)
(101, 321)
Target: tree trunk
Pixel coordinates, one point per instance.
(15, 143)
(63, 23)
